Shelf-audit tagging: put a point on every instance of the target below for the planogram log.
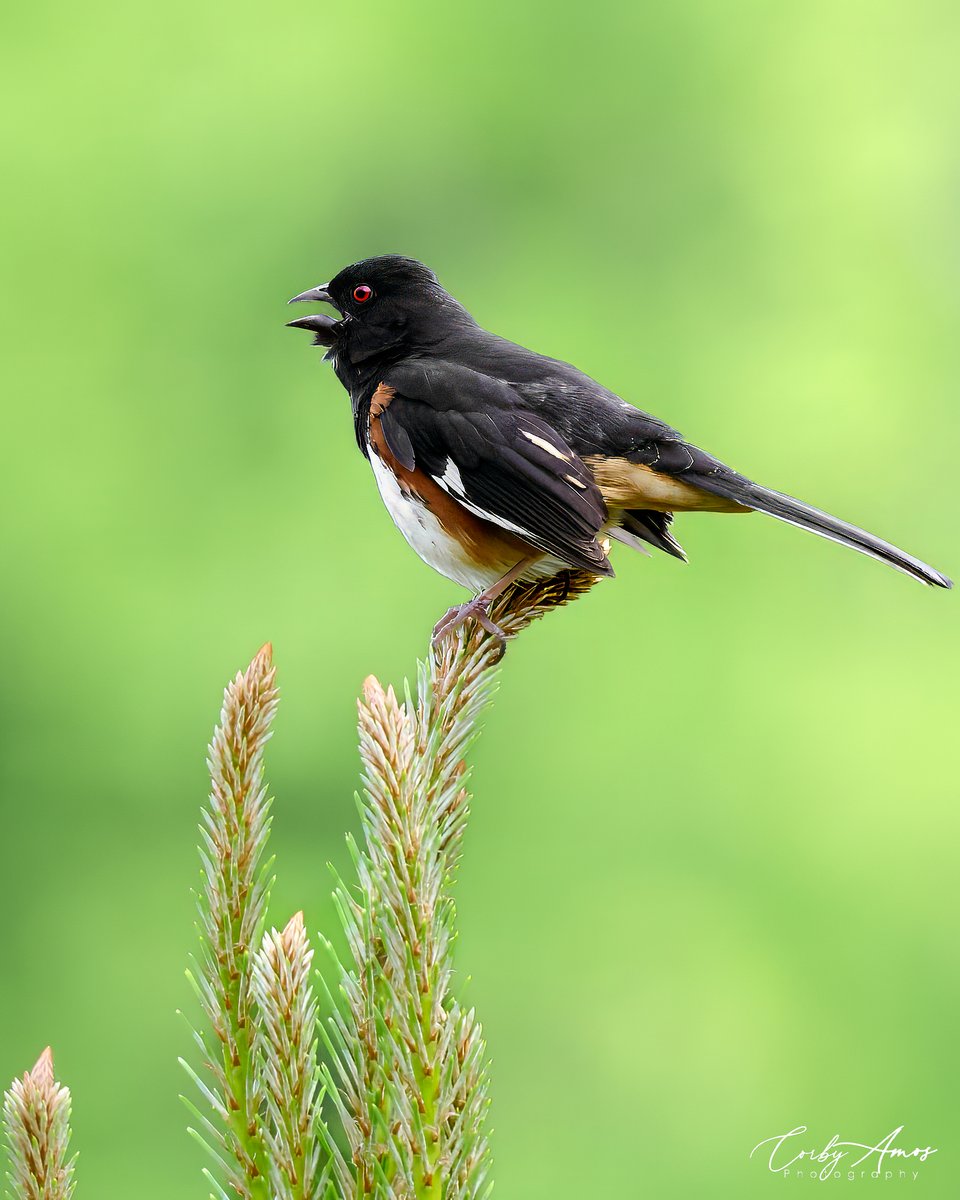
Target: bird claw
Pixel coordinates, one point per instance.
(473, 610)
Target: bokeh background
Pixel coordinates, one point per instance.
(709, 891)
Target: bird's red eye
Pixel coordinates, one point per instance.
(362, 293)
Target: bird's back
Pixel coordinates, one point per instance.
(590, 417)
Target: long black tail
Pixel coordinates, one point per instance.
(805, 516)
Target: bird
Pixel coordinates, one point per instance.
(499, 465)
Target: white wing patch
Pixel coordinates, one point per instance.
(545, 445)
(452, 483)
(495, 520)
(451, 480)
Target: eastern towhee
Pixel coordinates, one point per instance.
(498, 464)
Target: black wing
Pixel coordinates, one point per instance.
(500, 461)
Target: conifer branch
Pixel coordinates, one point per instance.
(410, 1060)
(286, 1054)
(36, 1121)
(232, 908)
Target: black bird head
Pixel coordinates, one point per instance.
(386, 304)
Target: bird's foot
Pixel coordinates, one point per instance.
(473, 610)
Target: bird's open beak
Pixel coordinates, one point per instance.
(323, 327)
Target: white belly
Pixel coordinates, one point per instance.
(426, 535)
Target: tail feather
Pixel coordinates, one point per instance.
(653, 528)
(805, 516)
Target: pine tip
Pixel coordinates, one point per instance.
(294, 937)
(42, 1073)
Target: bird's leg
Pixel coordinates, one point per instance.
(476, 609)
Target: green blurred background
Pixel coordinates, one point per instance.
(710, 884)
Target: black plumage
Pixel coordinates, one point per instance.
(527, 443)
